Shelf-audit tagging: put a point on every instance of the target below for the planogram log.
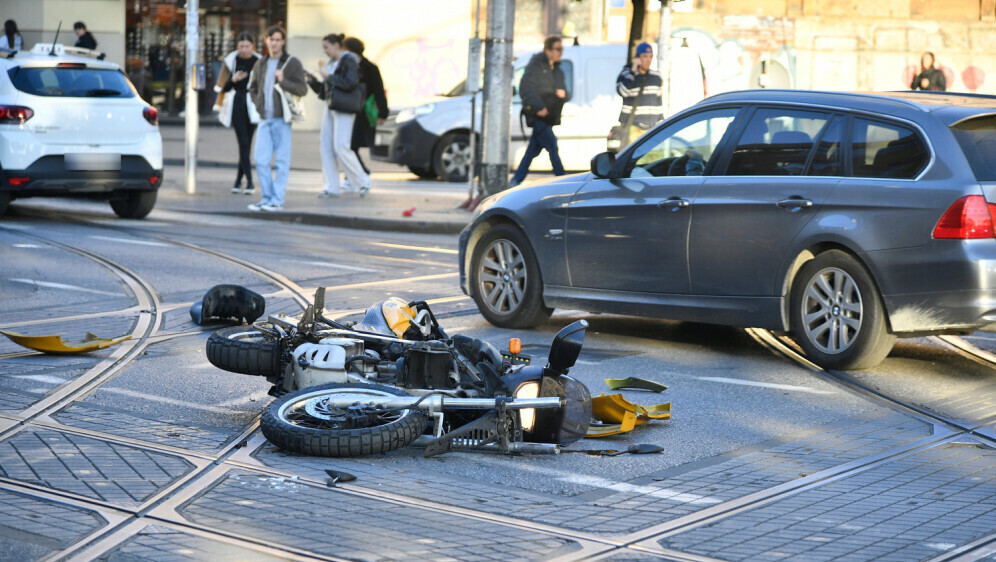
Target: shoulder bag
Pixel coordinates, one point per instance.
(292, 105)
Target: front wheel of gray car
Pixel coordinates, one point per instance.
(837, 313)
(508, 288)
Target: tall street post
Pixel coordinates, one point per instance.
(497, 95)
(191, 119)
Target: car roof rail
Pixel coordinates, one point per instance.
(59, 50)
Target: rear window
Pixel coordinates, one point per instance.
(977, 138)
(71, 82)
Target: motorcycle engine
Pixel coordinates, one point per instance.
(323, 362)
(429, 365)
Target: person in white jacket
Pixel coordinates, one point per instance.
(235, 109)
(337, 125)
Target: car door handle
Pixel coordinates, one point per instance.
(673, 203)
(793, 204)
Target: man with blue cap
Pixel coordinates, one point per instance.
(641, 90)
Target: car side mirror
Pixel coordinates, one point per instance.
(566, 347)
(602, 165)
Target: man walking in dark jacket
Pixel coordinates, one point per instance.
(86, 39)
(543, 90)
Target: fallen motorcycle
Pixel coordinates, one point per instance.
(378, 385)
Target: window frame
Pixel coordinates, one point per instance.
(895, 122)
(623, 158)
(830, 113)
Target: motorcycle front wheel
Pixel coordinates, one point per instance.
(303, 422)
(244, 350)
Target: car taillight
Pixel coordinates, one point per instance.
(15, 114)
(18, 181)
(153, 179)
(151, 115)
(967, 218)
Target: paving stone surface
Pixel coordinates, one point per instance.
(162, 544)
(32, 527)
(133, 427)
(118, 474)
(913, 508)
(325, 520)
(649, 501)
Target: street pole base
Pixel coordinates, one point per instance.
(494, 178)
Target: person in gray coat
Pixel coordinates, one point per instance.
(273, 140)
(543, 91)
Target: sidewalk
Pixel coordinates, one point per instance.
(394, 190)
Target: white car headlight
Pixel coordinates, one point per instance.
(409, 113)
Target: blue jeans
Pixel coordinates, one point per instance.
(273, 140)
(542, 137)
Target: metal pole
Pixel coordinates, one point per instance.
(664, 53)
(498, 93)
(191, 119)
(473, 75)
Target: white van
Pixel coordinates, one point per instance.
(432, 139)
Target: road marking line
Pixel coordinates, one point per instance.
(27, 246)
(392, 281)
(130, 241)
(63, 286)
(164, 400)
(42, 378)
(766, 385)
(419, 248)
(597, 482)
(341, 266)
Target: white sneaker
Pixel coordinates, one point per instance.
(364, 190)
(255, 206)
(346, 186)
(271, 208)
(327, 194)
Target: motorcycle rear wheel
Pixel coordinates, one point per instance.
(244, 350)
(300, 422)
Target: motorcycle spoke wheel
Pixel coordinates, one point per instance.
(304, 422)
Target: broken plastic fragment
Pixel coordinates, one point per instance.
(634, 383)
(55, 345)
(618, 415)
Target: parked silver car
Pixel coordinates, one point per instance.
(848, 219)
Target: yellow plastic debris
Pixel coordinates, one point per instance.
(619, 415)
(55, 345)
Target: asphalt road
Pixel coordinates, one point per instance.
(153, 453)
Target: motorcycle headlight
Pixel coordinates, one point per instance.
(528, 415)
(409, 113)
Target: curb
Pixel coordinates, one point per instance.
(357, 223)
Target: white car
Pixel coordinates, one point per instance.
(73, 125)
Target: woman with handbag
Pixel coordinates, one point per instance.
(344, 95)
(375, 106)
(235, 109)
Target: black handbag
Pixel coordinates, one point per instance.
(348, 101)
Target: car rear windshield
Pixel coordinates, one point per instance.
(71, 82)
(977, 138)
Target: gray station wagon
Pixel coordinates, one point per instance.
(848, 219)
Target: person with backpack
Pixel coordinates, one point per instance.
(374, 110)
(543, 90)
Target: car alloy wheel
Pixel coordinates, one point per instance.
(832, 310)
(837, 314)
(502, 277)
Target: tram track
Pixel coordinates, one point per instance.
(162, 508)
